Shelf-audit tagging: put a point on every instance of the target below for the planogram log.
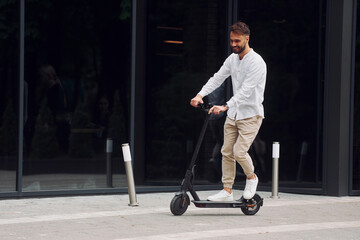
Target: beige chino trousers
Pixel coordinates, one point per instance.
(238, 137)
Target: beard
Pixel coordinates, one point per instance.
(238, 50)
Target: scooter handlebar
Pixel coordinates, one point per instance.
(205, 106)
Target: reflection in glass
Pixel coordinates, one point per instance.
(186, 45)
(9, 78)
(77, 71)
(292, 45)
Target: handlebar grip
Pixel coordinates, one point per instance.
(205, 106)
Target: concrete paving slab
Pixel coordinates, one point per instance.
(292, 216)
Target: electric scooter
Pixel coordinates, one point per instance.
(181, 200)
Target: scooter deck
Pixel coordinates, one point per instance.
(227, 204)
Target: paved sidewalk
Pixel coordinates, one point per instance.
(108, 217)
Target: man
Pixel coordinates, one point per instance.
(245, 111)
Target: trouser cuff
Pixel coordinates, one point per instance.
(228, 185)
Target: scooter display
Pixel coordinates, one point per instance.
(180, 202)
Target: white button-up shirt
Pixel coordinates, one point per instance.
(248, 80)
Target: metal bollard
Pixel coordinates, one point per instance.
(109, 150)
(275, 169)
(129, 175)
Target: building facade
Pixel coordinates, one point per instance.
(76, 74)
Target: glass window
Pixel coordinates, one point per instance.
(292, 44)
(77, 69)
(9, 93)
(356, 111)
(187, 42)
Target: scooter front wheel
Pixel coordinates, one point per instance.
(252, 206)
(179, 204)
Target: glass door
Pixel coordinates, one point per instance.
(292, 44)
(77, 69)
(187, 42)
(9, 94)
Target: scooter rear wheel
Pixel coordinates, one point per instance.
(252, 205)
(179, 204)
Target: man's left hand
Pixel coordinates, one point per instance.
(217, 109)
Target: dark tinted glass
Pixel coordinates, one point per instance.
(292, 44)
(187, 43)
(9, 93)
(77, 62)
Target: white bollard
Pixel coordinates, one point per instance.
(109, 150)
(275, 169)
(129, 175)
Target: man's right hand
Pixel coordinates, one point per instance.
(196, 100)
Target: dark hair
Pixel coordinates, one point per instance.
(240, 28)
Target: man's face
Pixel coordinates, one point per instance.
(238, 42)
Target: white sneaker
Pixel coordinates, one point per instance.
(221, 196)
(250, 188)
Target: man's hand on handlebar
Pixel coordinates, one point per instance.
(217, 109)
(196, 100)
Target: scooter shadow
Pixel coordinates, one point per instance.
(213, 215)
